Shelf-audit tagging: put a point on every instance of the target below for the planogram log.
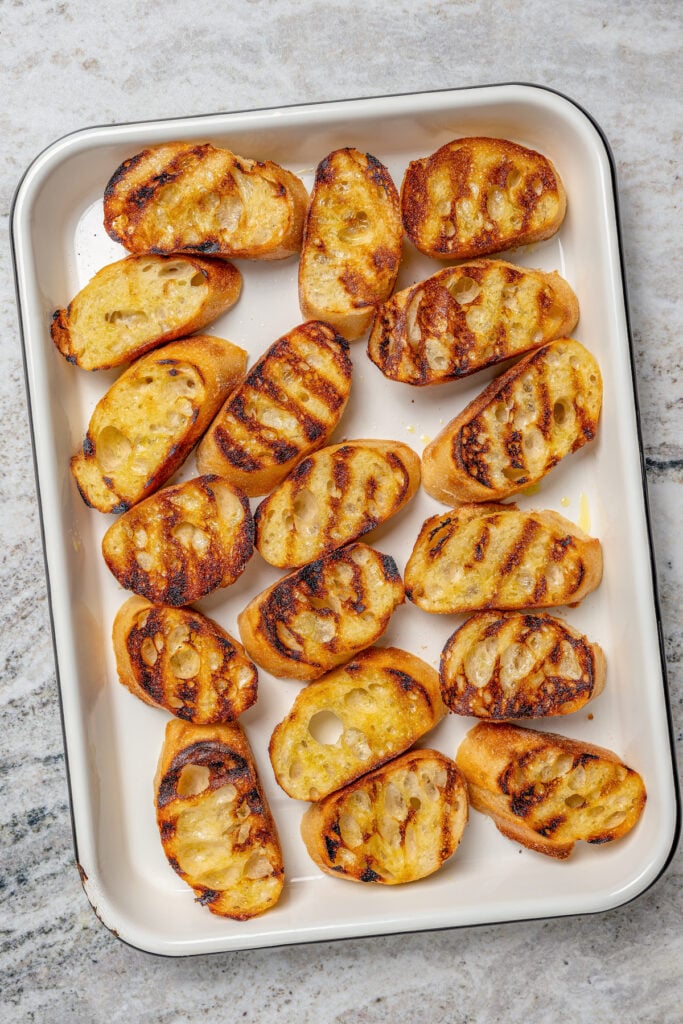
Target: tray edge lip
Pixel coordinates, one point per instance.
(81, 133)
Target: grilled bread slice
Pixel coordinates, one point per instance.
(321, 615)
(139, 303)
(214, 821)
(178, 660)
(182, 197)
(151, 417)
(477, 196)
(396, 824)
(546, 791)
(334, 496)
(468, 317)
(496, 556)
(352, 240)
(518, 428)
(353, 719)
(287, 407)
(519, 665)
(183, 542)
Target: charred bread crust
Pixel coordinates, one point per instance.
(334, 496)
(478, 557)
(382, 700)
(149, 420)
(478, 196)
(396, 824)
(181, 197)
(322, 614)
(180, 660)
(547, 791)
(519, 665)
(214, 821)
(183, 542)
(468, 317)
(138, 303)
(522, 424)
(351, 247)
(287, 407)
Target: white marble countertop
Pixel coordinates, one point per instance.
(71, 64)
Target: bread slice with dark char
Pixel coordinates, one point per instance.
(215, 824)
(522, 424)
(397, 824)
(468, 317)
(546, 791)
(477, 196)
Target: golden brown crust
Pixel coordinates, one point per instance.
(519, 665)
(333, 497)
(287, 407)
(477, 196)
(478, 557)
(547, 791)
(183, 197)
(149, 420)
(183, 542)
(183, 662)
(351, 248)
(353, 719)
(139, 303)
(396, 824)
(321, 615)
(215, 824)
(520, 426)
(465, 318)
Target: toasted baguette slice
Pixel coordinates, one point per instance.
(354, 719)
(287, 407)
(323, 614)
(467, 317)
(139, 303)
(519, 665)
(496, 556)
(183, 542)
(546, 791)
(214, 820)
(180, 197)
(351, 247)
(178, 660)
(149, 420)
(396, 824)
(518, 428)
(334, 496)
(476, 196)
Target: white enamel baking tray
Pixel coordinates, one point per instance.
(112, 740)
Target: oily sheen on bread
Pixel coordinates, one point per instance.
(334, 496)
(151, 417)
(322, 614)
(183, 542)
(547, 791)
(354, 718)
(215, 824)
(139, 303)
(465, 318)
(509, 437)
(478, 557)
(477, 196)
(351, 247)
(397, 824)
(287, 407)
(181, 661)
(185, 197)
(501, 665)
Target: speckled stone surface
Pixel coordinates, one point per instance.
(72, 64)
